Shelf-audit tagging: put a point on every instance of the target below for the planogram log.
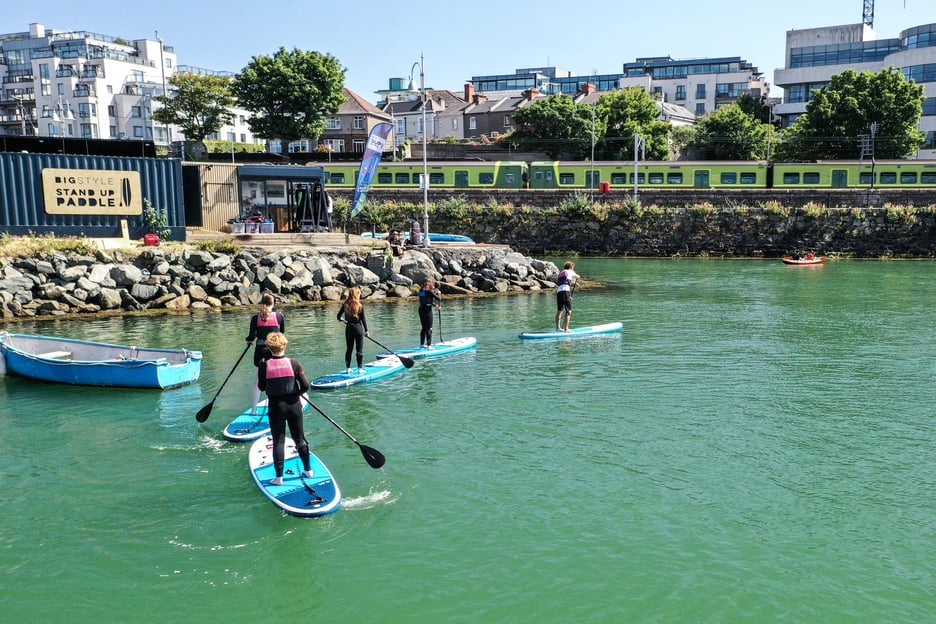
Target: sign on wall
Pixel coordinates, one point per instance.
(92, 191)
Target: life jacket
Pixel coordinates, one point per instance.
(267, 327)
(280, 377)
(563, 278)
(426, 298)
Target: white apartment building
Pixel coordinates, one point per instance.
(87, 85)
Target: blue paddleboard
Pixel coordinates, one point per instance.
(447, 347)
(247, 427)
(298, 496)
(575, 333)
(372, 370)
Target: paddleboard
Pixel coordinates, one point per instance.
(576, 332)
(247, 427)
(372, 370)
(447, 347)
(317, 495)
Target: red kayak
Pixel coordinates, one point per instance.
(816, 260)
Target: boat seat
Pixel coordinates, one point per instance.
(57, 355)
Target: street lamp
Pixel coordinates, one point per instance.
(425, 129)
(61, 113)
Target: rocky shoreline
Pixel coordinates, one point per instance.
(180, 278)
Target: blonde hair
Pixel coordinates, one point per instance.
(352, 305)
(276, 342)
(569, 265)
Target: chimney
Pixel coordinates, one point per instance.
(36, 30)
(478, 98)
(531, 94)
(469, 91)
(587, 88)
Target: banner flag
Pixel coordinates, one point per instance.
(372, 154)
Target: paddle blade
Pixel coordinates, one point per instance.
(407, 362)
(374, 457)
(204, 412)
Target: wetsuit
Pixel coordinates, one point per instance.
(355, 329)
(260, 329)
(283, 380)
(427, 301)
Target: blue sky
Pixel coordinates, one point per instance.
(379, 40)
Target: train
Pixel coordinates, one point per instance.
(663, 175)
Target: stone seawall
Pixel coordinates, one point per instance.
(180, 278)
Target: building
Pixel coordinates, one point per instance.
(405, 107)
(814, 55)
(87, 85)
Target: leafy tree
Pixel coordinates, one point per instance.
(839, 113)
(199, 105)
(729, 133)
(756, 107)
(555, 125)
(624, 113)
(290, 93)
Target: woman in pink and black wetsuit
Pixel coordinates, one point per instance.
(284, 382)
(262, 325)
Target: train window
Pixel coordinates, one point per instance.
(403, 178)
(384, 178)
(748, 177)
(509, 178)
(640, 178)
(888, 177)
(728, 177)
(538, 175)
(908, 177)
(549, 176)
(436, 178)
(866, 178)
(336, 178)
(810, 177)
(656, 178)
(566, 178)
(928, 177)
(486, 177)
(674, 178)
(790, 177)
(619, 178)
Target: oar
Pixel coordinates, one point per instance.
(205, 412)
(407, 362)
(374, 457)
(441, 339)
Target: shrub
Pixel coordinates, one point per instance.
(576, 206)
(223, 244)
(155, 219)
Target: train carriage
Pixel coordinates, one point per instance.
(842, 174)
(447, 175)
(655, 175)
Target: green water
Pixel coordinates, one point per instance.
(757, 446)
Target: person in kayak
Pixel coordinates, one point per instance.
(429, 298)
(284, 382)
(262, 325)
(565, 282)
(352, 313)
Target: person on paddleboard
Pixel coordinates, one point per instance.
(262, 324)
(429, 298)
(284, 382)
(565, 282)
(352, 313)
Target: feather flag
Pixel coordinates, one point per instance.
(372, 154)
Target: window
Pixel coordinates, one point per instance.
(680, 92)
(357, 146)
(506, 121)
(928, 177)
(674, 178)
(865, 178)
(44, 70)
(231, 137)
(110, 89)
(454, 123)
(45, 88)
(700, 91)
(61, 89)
(509, 178)
(790, 177)
(618, 178)
(486, 177)
(243, 138)
(336, 178)
(358, 123)
(86, 109)
(333, 123)
(472, 123)
(566, 178)
(908, 177)
(728, 177)
(136, 111)
(748, 178)
(138, 132)
(888, 177)
(89, 131)
(403, 178)
(655, 178)
(111, 110)
(699, 109)
(383, 178)
(810, 177)
(113, 132)
(419, 125)
(401, 127)
(436, 178)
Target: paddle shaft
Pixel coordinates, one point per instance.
(205, 412)
(407, 362)
(441, 339)
(373, 457)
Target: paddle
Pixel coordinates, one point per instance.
(441, 339)
(407, 362)
(205, 412)
(374, 457)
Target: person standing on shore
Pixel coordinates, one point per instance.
(262, 325)
(565, 283)
(429, 298)
(352, 313)
(284, 382)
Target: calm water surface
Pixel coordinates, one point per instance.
(756, 446)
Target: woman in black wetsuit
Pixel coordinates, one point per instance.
(284, 382)
(429, 298)
(262, 325)
(352, 313)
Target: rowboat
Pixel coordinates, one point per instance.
(803, 261)
(79, 362)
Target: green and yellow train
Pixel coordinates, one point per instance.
(622, 175)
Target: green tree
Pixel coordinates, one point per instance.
(290, 93)
(841, 112)
(756, 107)
(555, 125)
(625, 113)
(729, 133)
(199, 104)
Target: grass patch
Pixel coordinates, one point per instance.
(31, 245)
